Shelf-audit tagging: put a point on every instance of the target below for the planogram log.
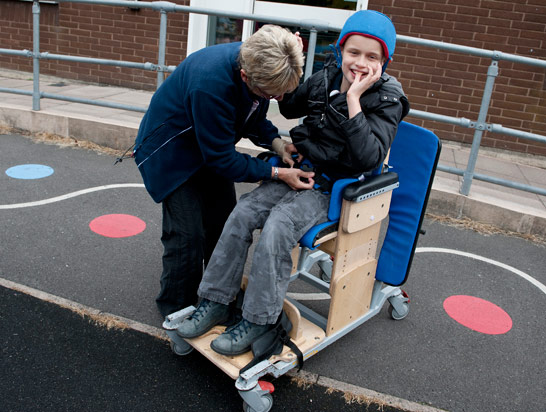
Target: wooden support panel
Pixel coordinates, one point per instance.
(295, 259)
(358, 216)
(355, 249)
(351, 296)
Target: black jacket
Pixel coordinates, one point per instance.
(328, 138)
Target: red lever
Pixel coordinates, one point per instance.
(266, 386)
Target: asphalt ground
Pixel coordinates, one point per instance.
(55, 359)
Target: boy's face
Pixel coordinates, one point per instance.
(362, 55)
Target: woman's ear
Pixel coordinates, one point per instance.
(244, 76)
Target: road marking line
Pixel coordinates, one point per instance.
(518, 272)
(69, 195)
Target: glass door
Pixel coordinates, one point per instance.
(208, 30)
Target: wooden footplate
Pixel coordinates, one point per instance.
(305, 334)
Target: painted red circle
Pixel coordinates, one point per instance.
(478, 314)
(117, 225)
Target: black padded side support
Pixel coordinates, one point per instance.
(356, 190)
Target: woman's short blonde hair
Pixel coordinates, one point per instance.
(272, 60)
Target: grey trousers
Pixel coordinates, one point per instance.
(284, 215)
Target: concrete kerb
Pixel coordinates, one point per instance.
(455, 205)
(444, 199)
(105, 319)
(115, 135)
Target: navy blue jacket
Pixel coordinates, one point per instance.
(194, 120)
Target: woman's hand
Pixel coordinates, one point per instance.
(289, 150)
(285, 150)
(293, 178)
(300, 40)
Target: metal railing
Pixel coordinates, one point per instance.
(314, 26)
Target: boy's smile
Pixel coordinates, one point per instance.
(360, 55)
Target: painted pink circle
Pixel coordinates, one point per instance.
(117, 225)
(478, 314)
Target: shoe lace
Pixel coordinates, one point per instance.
(239, 330)
(201, 310)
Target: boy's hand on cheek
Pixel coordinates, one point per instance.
(361, 83)
(377, 71)
(364, 81)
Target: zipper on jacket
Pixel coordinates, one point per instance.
(152, 133)
(323, 115)
(162, 145)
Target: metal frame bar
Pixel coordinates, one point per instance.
(36, 55)
(380, 295)
(165, 7)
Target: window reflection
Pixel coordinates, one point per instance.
(225, 30)
(333, 4)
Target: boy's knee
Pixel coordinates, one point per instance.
(278, 230)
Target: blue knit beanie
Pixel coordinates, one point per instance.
(369, 23)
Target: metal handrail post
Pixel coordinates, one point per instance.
(36, 55)
(310, 59)
(310, 53)
(162, 46)
(492, 73)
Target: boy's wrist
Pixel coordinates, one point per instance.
(353, 105)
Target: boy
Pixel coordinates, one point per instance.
(353, 110)
(185, 148)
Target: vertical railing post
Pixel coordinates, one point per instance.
(162, 46)
(36, 55)
(492, 73)
(310, 53)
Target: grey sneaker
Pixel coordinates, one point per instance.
(207, 315)
(238, 338)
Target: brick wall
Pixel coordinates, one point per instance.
(104, 32)
(435, 80)
(452, 84)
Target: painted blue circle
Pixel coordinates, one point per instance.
(29, 171)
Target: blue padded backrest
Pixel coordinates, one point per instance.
(414, 156)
